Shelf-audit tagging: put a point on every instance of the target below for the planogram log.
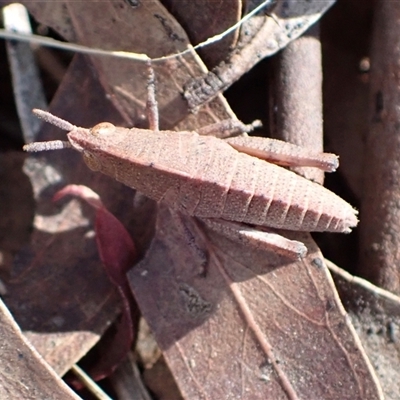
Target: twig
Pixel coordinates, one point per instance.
(296, 109)
(27, 86)
(380, 226)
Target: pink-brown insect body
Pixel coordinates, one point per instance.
(205, 177)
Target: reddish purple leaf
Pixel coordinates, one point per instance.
(118, 253)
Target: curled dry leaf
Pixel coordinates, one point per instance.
(261, 36)
(346, 85)
(116, 248)
(379, 238)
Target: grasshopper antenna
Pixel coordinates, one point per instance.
(45, 146)
(52, 119)
(53, 144)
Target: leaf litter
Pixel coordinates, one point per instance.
(203, 305)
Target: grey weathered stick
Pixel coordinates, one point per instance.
(297, 97)
(380, 238)
(24, 71)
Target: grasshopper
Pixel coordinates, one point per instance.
(236, 186)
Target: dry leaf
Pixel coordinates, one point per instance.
(23, 373)
(247, 324)
(375, 314)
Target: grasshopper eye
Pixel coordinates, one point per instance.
(104, 128)
(91, 161)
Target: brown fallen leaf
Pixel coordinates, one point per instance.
(23, 373)
(16, 208)
(375, 315)
(147, 29)
(248, 324)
